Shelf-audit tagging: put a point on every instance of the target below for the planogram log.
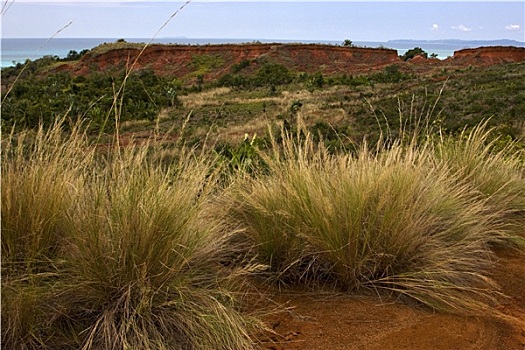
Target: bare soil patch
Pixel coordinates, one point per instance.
(339, 322)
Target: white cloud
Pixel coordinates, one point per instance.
(462, 28)
(512, 27)
(435, 27)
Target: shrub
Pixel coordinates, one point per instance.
(272, 74)
(414, 52)
(390, 74)
(348, 43)
(388, 222)
(112, 251)
(244, 158)
(315, 82)
(495, 173)
(29, 103)
(237, 67)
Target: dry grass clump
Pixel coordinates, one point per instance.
(122, 249)
(495, 173)
(113, 252)
(394, 221)
(41, 174)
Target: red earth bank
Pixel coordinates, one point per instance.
(182, 61)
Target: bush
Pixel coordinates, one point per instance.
(414, 52)
(348, 43)
(272, 74)
(112, 251)
(244, 158)
(315, 82)
(42, 99)
(237, 67)
(390, 74)
(391, 221)
(268, 74)
(495, 174)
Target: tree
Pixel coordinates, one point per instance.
(348, 43)
(72, 55)
(414, 52)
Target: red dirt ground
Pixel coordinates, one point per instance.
(337, 322)
(178, 60)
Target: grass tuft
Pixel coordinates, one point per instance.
(495, 172)
(391, 221)
(113, 251)
(123, 248)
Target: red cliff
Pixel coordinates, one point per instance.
(484, 56)
(187, 62)
(212, 61)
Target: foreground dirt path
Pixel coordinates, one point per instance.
(328, 322)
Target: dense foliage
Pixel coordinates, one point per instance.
(413, 53)
(44, 99)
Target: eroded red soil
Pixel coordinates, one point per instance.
(181, 60)
(485, 56)
(329, 322)
(213, 61)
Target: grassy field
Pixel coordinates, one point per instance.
(118, 248)
(149, 218)
(343, 109)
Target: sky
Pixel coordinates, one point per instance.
(291, 20)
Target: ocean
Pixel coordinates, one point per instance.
(15, 51)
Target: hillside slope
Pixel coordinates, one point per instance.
(213, 61)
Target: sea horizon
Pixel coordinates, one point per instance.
(18, 50)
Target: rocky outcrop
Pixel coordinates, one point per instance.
(484, 56)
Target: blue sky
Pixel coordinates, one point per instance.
(291, 20)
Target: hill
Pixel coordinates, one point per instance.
(214, 61)
(211, 62)
(234, 89)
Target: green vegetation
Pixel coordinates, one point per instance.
(30, 103)
(142, 219)
(269, 74)
(398, 219)
(204, 63)
(117, 45)
(112, 251)
(357, 106)
(414, 52)
(348, 43)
